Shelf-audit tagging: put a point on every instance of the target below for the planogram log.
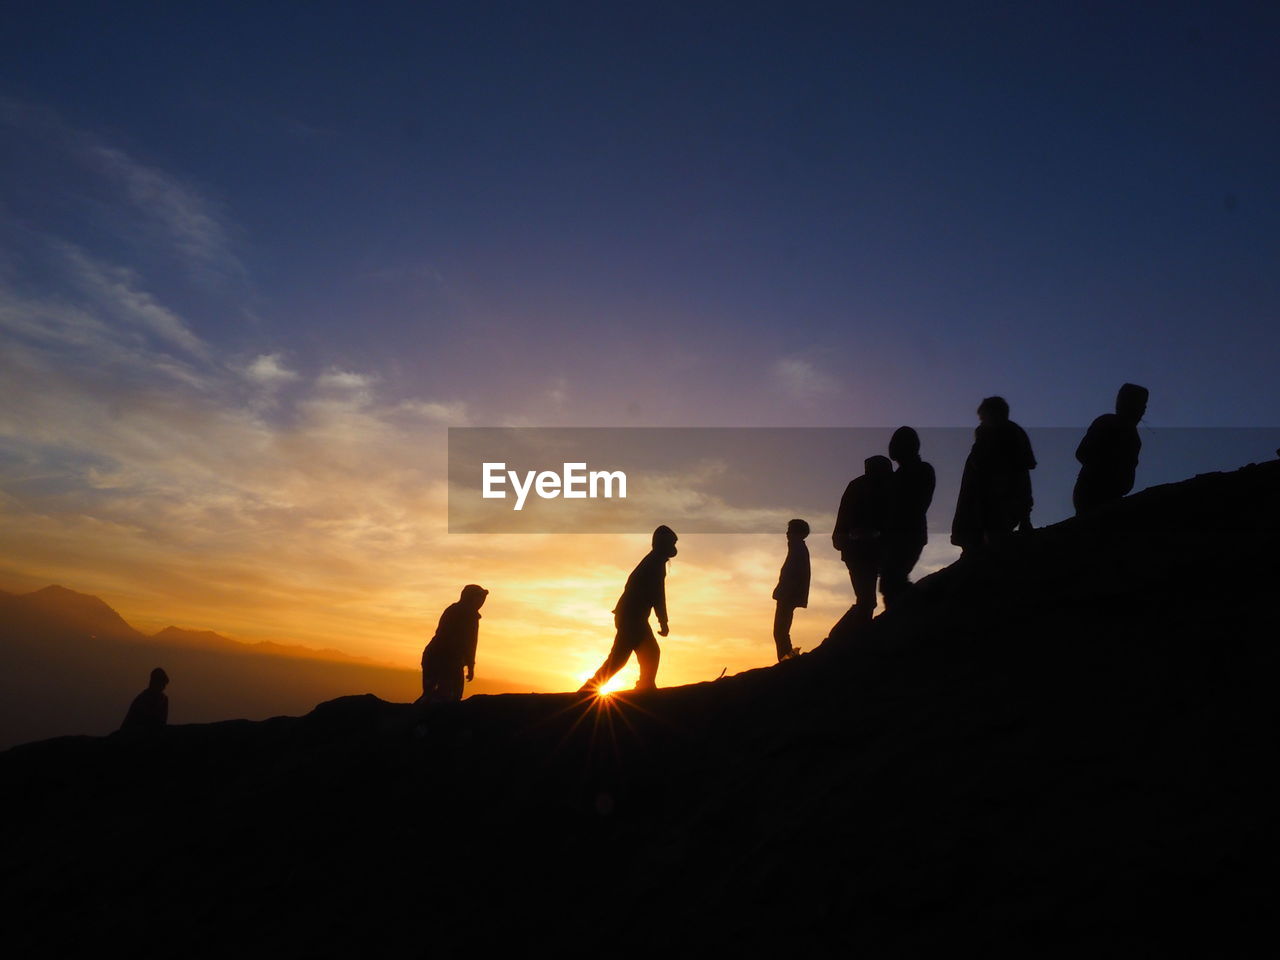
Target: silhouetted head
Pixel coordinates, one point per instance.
(1131, 402)
(473, 596)
(878, 466)
(797, 529)
(664, 541)
(993, 408)
(904, 445)
(159, 679)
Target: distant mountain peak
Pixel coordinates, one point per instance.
(181, 635)
(80, 612)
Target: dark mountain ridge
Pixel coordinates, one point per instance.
(1061, 747)
(55, 613)
(210, 640)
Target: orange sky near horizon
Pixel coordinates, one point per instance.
(546, 624)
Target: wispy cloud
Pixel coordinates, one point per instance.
(267, 370)
(189, 219)
(801, 380)
(115, 291)
(104, 191)
(344, 381)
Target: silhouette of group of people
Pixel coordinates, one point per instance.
(881, 525)
(880, 532)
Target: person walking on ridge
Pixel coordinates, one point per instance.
(995, 489)
(1108, 454)
(645, 591)
(859, 531)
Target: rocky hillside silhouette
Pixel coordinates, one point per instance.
(1060, 748)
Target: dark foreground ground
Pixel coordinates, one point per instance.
(1063, 748)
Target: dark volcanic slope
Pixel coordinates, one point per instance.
(1063, 746)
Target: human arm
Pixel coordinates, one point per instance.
(840, 535)
(655, 589)
(660, 604)
(473, 637)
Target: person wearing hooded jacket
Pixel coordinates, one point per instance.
(645, 591)
(453, 648)
(1108, 454)
(995, 488)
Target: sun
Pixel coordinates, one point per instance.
(614, 684)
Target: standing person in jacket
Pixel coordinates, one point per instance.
(150, 708)
(453, 649)
(995, 490)
(1108, 454)
(908, 529)
(860, 524)
(645, 591)
(793, 588)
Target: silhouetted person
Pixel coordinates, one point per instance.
(453, 649)
(645, 590)
(860, 523)
(1108, 454)
(908, 530)
(150, 708)
(995, 491)
(793, 587)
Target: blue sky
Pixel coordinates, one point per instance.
(922, 205)
(279, 247)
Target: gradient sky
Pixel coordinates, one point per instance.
(254, 260)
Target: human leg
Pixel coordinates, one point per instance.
(864, 569)
(430, 677)
(782, 618)
(624, 641)
(648, 653)
(451, 683)
(899, 560)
